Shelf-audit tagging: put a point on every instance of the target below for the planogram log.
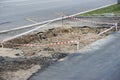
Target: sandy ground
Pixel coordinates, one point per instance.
(9, 52)
(20, 74)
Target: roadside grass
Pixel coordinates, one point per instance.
(113, 9)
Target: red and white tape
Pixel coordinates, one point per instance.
(50, 44)
(96, 22)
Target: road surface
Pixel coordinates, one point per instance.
(98, 61)
(17, 13)
(66, 22)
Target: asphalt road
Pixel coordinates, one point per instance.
(66, 22)
(98, 61)
(16, 13)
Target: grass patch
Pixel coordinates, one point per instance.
(113, 9)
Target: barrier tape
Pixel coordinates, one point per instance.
(91, 21)
(114, 25)
(50, 44)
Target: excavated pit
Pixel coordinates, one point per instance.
(47, 55)
(85, 35)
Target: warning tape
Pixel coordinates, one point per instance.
(50, 44)
(90, 21)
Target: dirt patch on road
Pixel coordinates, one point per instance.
(44, 56)
(84, 35)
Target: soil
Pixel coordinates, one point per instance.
(34, 58)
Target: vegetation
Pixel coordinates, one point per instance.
(114, 9)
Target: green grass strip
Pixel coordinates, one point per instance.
(115, 9)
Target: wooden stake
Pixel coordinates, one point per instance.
(116, 26)
(78, 45)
